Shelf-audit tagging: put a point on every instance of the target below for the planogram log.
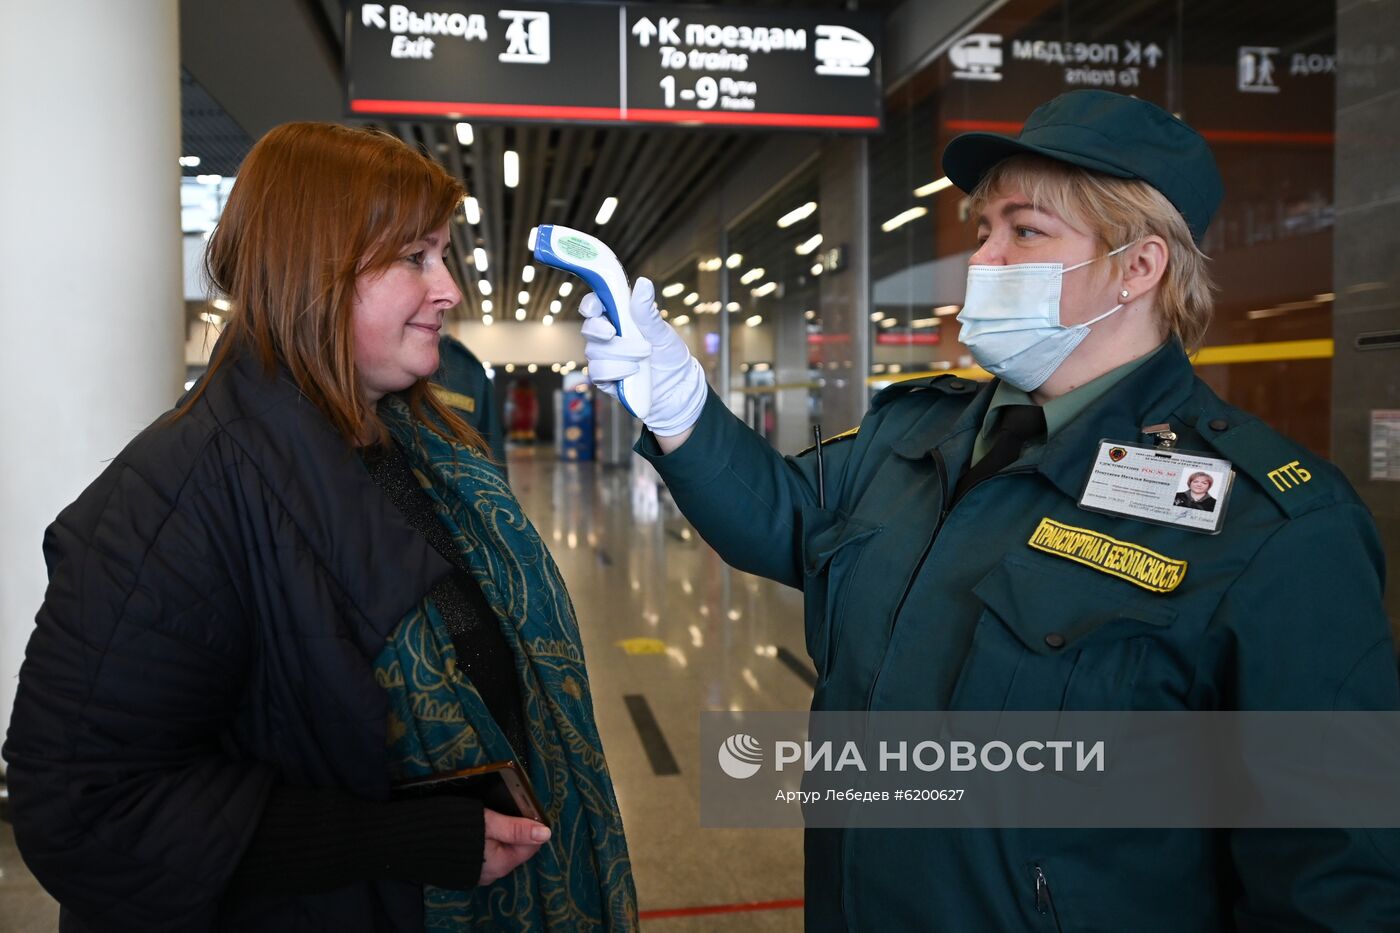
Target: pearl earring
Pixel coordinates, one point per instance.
(1123, 294)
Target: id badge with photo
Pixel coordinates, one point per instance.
(1164, 486)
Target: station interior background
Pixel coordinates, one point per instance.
(806, 271)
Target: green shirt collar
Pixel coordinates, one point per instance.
(1058, 411)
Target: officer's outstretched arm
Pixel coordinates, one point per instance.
(748, 501)
(744, 498)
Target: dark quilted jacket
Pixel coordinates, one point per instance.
(216, 600)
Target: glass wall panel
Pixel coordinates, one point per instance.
(773, 277)
(679, 296)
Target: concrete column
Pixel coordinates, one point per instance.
(91, 309)
(1366, 275)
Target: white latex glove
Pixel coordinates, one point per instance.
(678, 389)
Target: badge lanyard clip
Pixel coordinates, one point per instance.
(1166, 437)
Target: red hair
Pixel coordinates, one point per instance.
(315, 206)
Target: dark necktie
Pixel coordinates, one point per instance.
(1018, 425)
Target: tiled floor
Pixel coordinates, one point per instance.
(636, 570)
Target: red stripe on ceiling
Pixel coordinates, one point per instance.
(1264, 136)
(1215, 136)
(452, 109)
(983, 126)
(720, 909)
(733, 118)
(613, 114)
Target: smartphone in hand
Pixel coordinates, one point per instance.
(500, 785)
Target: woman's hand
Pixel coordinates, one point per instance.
(510, 840)
(678, 389)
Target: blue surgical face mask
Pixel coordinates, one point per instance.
(1011, 320)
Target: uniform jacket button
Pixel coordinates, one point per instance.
(1055, 640)
(1219, 424)
(955, 384)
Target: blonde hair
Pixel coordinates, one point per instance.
(1115, 211)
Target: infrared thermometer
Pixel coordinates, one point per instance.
(590, 259)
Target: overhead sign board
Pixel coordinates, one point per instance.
(638, 63)
(1131, 65)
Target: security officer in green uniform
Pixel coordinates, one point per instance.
(966, 557)
(461, 381)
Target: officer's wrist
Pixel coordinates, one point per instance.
(670, 443)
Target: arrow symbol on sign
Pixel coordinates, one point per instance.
(645, 30)
(1153, 54)
(372, 14)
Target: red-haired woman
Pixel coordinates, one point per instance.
(307, 582)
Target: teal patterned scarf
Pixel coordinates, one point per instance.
(581, 879)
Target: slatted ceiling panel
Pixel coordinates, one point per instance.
(541, 155)
(534, 182)
(508, 212)
(536, 165)
(207, 131)
(464, 234)
(565, 170)
(492, 194)
(646, 187)
(565, 173)
(682, 156)
(571, 169)
(699, 172)
(609, 177)
(639, 196)
(651, 188)
(583, 206)
(651, 163)
(485, 183)
(502, 274)
(589, 193)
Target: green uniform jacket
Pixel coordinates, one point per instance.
(912, 606)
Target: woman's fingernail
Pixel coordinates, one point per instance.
(540, 834)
